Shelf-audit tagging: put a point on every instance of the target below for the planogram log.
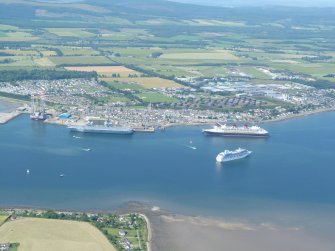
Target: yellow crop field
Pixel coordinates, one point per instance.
(105, 70)
(44, 62)
(152, 82)
(35, 234)
(48, 53)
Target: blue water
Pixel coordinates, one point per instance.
(293, 169)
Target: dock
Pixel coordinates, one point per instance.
(143, 129)
(5, 117)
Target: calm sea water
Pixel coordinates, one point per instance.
(293, 169)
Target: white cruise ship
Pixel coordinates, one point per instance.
(237, 131)
(232, 155)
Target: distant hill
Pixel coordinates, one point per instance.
(240, 3)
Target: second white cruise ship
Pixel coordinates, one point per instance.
(232, 155)
(237, 131)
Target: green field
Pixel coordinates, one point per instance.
(152, 97)
(122, 85)
(152, 82)
(160, 44)
(70, 32)
(80, 60)
(3, 218)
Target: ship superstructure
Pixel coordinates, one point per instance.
(227, 155)
(237, 131)
(106, 128)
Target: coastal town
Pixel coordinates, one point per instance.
(209, 101)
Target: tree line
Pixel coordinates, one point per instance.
(19, 75)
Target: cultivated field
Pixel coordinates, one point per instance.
(44, 62)
(70, 32)
(104, 70)
(153, 97)
(53, 235)
(224, 55)
(80, 60)
(3, 218)
(152, 82)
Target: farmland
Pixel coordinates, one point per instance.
(3, 218)
(43, 234)
(152, 82)
(140, 53)
(105, 70)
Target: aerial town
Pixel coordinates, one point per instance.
(198, 101)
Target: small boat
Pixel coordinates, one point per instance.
(28, 171)
(87, 149)
(76, 137)
(61, 175)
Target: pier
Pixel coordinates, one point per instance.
(8, 116)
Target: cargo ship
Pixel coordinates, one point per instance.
(232, 155)
(106, 128)
(236, 131)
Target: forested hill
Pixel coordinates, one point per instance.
(19, 11)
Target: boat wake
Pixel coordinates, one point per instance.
(191, 147)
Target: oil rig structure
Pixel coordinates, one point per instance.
(38, 107)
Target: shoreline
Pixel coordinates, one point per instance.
(142, 214)
(299, 115)
(19, 107)
(5, 117)
(170, 230)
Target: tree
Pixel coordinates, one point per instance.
(156, 54)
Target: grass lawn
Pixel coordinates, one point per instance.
(70, 32)
(220, 54)
(43, 234)
(121, 85)
(78, 51)
(153, 82)
(80, 60)
(153, 97)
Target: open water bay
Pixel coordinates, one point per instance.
(293, 170)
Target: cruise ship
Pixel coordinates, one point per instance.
(237, 131)
(106, 128)
(232, 155)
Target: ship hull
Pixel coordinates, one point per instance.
(227, 134)
(102, 131)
